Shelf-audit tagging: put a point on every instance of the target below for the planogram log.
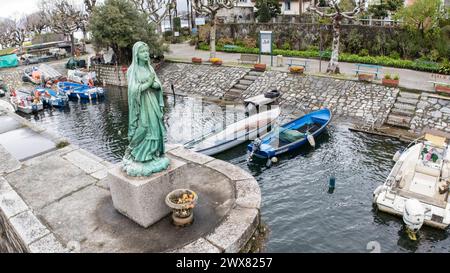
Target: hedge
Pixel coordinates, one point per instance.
(345, 57)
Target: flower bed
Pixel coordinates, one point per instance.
(443, 89)
(365, 77)
(216, 61)
(197, 60)
(260, 67)
(390, 82)
(296, 69)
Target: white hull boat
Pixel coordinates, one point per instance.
(235, 134)
(417, 186)
(24, 103)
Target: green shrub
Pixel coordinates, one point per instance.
(445, 67)
(394, 55)
(396, 77)
(286, 46)
(363, 52)
(312, 48)
(387, 76)
(225, 41)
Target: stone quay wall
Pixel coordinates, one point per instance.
(432, 113)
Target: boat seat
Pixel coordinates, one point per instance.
(290, 135)
(427, 170)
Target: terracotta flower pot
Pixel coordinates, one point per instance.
(390, 82)
(365, 77)
(260, 67)
(296, 69)
(197, 60)
(443, 89)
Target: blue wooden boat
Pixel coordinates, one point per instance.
(53, 98)
(290, 136)
(80, 91)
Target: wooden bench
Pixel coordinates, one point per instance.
(296, 62)
(248, 58)
(365, 69)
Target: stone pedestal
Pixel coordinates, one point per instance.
(142, 198)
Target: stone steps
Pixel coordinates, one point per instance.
(407, 100)
(245, 82)
(255, 73)
(240, 86)
(409, 95)
(250, 78)
(399, 121)
(402, 112)
(404, 106)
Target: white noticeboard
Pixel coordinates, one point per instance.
(199, 21)
(266, 41)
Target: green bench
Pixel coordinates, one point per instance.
(365, 69)
(229, 47)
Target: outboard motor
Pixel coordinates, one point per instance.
(413, 216)
(256, 145)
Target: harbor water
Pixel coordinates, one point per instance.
(301, 212)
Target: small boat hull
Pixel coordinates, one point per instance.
(235, 134)
(80, 91)
(53, 98)
(268, 150)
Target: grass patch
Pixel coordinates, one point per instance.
(61, 144)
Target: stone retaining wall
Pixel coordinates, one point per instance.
(432, 113)
(115, 75)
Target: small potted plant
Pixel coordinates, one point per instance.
(182, 203)
(390, 81)
(216, 61)
(296, 69)
(260, 67)
(196, 60)
(365, 77)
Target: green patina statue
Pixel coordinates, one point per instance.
(145, 153)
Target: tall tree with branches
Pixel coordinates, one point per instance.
(156, 10)
(64, 17)
(210, 8)
(337, 15)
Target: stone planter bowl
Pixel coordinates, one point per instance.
(390, 82)
(182, 214)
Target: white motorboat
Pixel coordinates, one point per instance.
(417, 186)
(24, 102)
(234, 134)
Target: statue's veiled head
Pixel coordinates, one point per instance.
(141, 53)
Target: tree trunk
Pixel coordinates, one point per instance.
(72, 44)
(84, 40)
(333, 66)
(188, 15)
(193, 14)
(212, 36)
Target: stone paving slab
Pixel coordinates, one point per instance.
(9, 163)
(230, 170)
(8, 123)
(47, 244)
(28, 227)
(248, 194)
(194, 157)
(25, 143)
(199, 246)
(48, 181)
(235, 230)
(84, 162)
(10, 202)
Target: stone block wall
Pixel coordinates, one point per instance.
(431, 113)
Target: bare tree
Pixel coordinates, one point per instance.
(156, 10)
(36, 22)
(210, 8)
(13, 32)
(90, 5)
(337, 16)
(64, 18)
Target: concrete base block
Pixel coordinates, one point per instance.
(142, 198)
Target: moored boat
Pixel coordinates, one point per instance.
(417, 186)
(290, 136)
(22, 101)
(234, 134)
(80, 91)
(53, 98)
